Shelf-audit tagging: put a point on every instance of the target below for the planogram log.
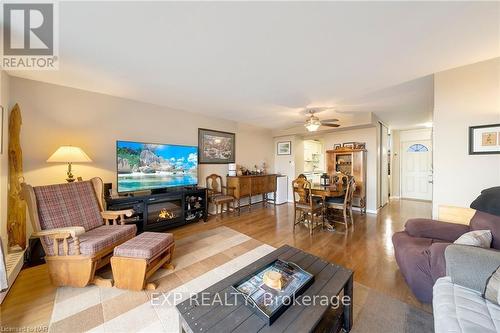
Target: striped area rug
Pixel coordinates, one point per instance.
(200, 261)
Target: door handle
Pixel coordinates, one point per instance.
(431, 182)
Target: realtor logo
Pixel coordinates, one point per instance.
(29, 36)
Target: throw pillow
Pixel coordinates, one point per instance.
(480, 238)
(492, 291)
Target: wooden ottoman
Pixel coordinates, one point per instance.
(134, 261)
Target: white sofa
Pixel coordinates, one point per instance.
(458, 304)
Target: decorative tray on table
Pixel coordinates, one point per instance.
(270, 302)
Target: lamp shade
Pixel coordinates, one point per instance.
(69, 154)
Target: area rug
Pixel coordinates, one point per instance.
(201, 260)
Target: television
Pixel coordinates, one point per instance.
(149, 166)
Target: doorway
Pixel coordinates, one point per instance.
(416, 170)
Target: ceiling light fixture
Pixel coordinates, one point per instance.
(312, 124)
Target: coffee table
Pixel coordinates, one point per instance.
(220, 309)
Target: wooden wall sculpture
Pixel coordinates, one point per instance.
(16, 210)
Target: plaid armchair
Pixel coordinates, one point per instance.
(77, 235)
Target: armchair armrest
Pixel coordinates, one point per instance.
(471, 266)
(427, 228)
(63, 233)
(114, 215)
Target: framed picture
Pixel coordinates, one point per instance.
(349, 145)
(359, 145)
(216, 147)
(337, 146)
(284, 148)
(484, 139)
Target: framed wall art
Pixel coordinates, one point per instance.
(284, 148)
(349, 145)
(216, 147)
(484, 139)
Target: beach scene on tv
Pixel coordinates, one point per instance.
(145, 166)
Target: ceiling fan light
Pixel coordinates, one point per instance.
(312, 125)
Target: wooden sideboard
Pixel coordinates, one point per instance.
(248, 186)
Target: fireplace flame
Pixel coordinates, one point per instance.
(165, 214)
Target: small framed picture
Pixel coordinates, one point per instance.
(484, 139)
(284, 148)
(349, 145)
(337, 146)
(359, 145)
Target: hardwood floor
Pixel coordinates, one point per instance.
(367, 250)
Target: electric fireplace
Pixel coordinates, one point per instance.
(162, 213)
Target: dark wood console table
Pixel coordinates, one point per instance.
(248, 186)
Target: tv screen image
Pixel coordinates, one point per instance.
(148, 166)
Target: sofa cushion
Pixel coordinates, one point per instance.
(485, 221)
(479, 238)
(147, 245)
(459, 309)
(488, 201)
(97, 239)
(492, 291)
(68, 205)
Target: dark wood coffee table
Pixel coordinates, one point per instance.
(234, 316)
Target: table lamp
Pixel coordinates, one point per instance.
(69, 154)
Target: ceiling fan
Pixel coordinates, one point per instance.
(313, 123)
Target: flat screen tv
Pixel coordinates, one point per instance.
(148, 166)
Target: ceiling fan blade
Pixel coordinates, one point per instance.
(330, 125)
(329, 120)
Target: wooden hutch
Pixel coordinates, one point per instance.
(351, 162)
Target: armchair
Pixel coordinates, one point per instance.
(78, 236)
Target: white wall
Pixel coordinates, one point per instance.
(4, 101)
(289, 165)
(55, 115)
(465, 96)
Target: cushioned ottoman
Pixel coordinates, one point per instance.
(134, 261)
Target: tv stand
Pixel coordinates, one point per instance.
(164, 210)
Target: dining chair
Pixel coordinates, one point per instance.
(304, 203)
(344, 203)
(220, 195)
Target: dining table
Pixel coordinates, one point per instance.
(334, 190)
(327, 191)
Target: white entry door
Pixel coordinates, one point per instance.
(416, 170)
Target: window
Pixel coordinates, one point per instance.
(417, 148)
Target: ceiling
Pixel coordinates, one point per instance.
(262, 62)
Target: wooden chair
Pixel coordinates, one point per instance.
(304, 203)
(220, 195)
(77, 235)
(344, 204)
